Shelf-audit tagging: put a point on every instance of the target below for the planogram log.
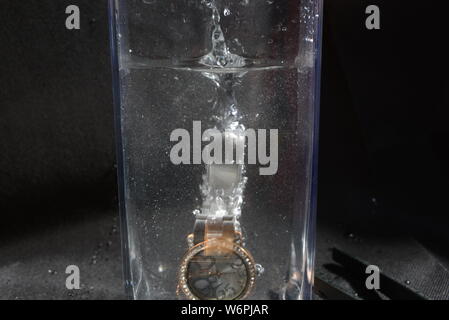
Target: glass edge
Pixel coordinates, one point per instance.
(311, 233)
(113, 43)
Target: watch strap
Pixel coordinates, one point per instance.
(213, 227)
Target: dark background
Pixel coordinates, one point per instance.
(383, 183)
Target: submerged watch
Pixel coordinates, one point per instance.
(217, 266)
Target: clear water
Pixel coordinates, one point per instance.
(163, 196)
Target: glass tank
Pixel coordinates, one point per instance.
(217, 117)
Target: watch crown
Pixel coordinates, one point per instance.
(190, 240)
(259, 270)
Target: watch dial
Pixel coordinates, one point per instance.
(223, 277)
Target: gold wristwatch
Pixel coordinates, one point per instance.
(216, 265)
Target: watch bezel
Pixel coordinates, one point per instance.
(217, 243)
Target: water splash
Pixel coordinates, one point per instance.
(227, 118)
(220, 56)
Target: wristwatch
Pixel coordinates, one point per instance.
(216, 265)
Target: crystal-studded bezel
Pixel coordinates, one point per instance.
(238, 250)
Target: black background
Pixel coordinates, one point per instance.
(384, 155)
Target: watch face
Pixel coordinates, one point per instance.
(217, 277)
(226, 276)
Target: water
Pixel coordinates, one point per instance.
(218, 78)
